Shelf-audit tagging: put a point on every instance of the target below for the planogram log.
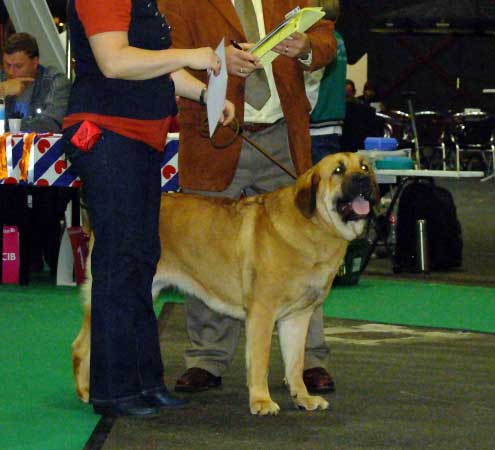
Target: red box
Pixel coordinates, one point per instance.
(10, 255)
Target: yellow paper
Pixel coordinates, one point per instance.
(300, 21)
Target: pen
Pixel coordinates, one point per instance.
(235, 44)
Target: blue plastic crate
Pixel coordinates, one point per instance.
(380, 143)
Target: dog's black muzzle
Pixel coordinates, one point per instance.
(359, 195)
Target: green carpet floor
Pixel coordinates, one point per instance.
(415, 303)
(39, 409)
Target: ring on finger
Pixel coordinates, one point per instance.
(241, 70)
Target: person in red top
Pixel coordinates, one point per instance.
(121, 105)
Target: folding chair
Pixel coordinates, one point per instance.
(473, 135)
(432, 128)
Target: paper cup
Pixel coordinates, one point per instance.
(15, 125)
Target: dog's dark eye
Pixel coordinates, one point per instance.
(364, 167)
(339, 170)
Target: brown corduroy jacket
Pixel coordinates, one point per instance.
(201, 23)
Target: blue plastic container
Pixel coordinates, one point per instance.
(380, 143)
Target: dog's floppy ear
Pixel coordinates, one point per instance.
(306, 192)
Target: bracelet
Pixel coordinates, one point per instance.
(202, 97)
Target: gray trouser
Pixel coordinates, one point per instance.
(214, 336)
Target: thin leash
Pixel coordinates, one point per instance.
(238, 131)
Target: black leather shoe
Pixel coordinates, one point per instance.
(135, 407)
(163, 399)
(197, 380)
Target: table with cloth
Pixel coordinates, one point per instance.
(32, 161)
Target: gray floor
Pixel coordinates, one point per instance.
(397, 388)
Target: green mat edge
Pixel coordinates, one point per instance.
(413, 303)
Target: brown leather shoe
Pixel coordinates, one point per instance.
(318, 380)
(196, 379)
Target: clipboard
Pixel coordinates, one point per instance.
(295, 20)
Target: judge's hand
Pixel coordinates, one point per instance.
(15, 86)
(297, 45)
(240, 62)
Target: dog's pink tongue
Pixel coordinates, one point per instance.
(361, 206)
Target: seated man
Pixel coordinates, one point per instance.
(39, 95)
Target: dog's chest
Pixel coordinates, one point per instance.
(307, 291)
(311, 295)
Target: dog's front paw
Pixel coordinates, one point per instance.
(264, 407)
(310, 402)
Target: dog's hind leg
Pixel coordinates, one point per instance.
(259, 330)
(292, 334)
(81, 356)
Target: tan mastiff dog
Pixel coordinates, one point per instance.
(266, 259)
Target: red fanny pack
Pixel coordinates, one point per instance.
(86, 136)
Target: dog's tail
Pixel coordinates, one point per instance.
(85, 291)
(81, 344)
(85, 295)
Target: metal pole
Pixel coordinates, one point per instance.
(415, 132)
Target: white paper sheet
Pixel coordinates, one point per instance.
(217, 90)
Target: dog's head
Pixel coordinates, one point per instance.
(341, 190)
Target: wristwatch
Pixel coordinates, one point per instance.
(307, 59)
(202, 97)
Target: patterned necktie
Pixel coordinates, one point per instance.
(256, 89)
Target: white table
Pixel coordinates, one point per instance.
(390, 175)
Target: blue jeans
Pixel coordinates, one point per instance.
(324, 145)
(121, 182)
